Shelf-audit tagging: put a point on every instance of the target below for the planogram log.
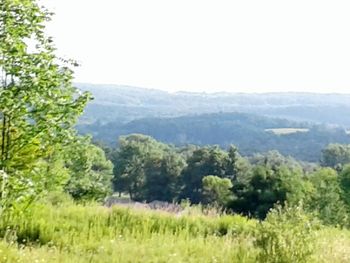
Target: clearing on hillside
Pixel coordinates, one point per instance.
(286, 131)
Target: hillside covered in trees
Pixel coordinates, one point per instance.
(251, 133)
(249, 121)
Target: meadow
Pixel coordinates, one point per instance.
(286, 131)
(92, 233)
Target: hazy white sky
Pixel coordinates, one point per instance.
(207, 45)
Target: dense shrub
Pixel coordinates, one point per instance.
(287, 235)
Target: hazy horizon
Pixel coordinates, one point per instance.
(207, 46)
(213, 91)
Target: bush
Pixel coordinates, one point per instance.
(57, 198)
(287, 235)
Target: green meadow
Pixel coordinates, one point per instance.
(92, 233)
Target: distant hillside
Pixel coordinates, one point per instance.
(248, 131)
(123, 104)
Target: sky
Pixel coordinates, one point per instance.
(207, 45)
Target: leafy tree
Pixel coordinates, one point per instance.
(204, 161)
(335, 156)
(344, 178)
(38, 104)
(132, 160)
(162, 177)
(233, 162)
(266, 187)
(324, 198)
(275, 159)
(216, 190)
(90, 172)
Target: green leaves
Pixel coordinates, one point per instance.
(217, 190)
(287, 235)
(90, 173)
(146, 169)
(38, 104)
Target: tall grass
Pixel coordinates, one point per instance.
(91, 233)
(77, 233)
(70, 224)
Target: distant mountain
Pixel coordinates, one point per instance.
(251, 133)
(122, 104)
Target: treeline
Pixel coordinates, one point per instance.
(246, 131)
(149, 170)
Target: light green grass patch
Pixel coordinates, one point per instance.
(91, 233)
(286, 131)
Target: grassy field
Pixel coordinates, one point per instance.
(286, 131)
(76, 233)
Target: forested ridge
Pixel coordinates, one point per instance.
(220, 118)
(250, 132)
(224, 186)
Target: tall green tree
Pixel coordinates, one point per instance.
(325, 197)
(90, 173)
(133, 160)
(217, 190)
(203, 162)
(163, 176)
(344, 180)
(266, 187)
(38, 104)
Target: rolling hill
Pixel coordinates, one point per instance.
(251, 133)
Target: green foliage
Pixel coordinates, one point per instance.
(287, 235)
(216, 190)
(276, 159)
(90, 172)
(162, 177)
(325, 197)
(203, 162)
(57, 198)
(149, 170)
(266, 187)
(146, 169)
(38, 104)
(87, 221)
(344, 178)
(91, 233)
(336, 155)
(246, 131)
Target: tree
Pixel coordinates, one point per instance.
(275, 159)
(266, 187)
(90, 172)
(344, 180)
(217, 190)
(335, 156)
(38, 104)
(233, 162)
(325, 197)
(204, 161)
(162, 177)
(136, 155)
